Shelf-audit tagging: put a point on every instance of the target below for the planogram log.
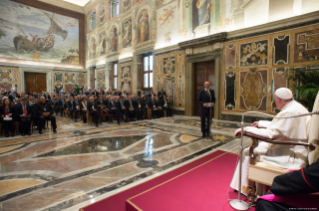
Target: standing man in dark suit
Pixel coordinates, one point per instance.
(161, 94)
(205, 97)
(23, 113)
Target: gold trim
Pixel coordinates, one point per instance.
(82, 209)
(129, 200)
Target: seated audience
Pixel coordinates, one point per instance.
(6, 114)
(59, 105)
(167, 106)
(66, 107)
(153, 106)
(140, 108)
(24, 115)
(121, 106)
(45, 112)
(159, 105)
(130, 107)
(284, 156)
(114, 109)
(76, 108)
(83, 109)
(93, 111)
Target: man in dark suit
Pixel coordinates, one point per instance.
(140, 108)
(106, 100)
(167, 106)
(93, 111)
(120, 101)
(45, 112)
(205, 97)
(113, 109)
(76, 108)
(129, 104)
(159, 107)
(161, 94)
(59, 106)
(23, 112)
(152, 105)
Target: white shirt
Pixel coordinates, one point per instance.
(295, 129)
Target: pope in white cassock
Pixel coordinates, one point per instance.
(294, 129)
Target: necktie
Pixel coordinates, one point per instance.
(208, 93)
(131, 104)
(25, 110)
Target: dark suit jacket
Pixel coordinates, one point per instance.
(44, 107)
(203, 97)
(151, 104)
(19, 110)
(74, 105)
(110, 105)
(90, 106)
(160, 94)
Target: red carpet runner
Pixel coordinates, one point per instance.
(200, 185)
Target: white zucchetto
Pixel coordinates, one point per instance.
(284, 93)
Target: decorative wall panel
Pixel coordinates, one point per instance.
(230, 57)
(169, 74)
(281, 50)
(125, 77)
(279, 79)
(101, 79)
(254, 53)
(92, 79)
(230, 90)
(169, 65)
(66, 81)
(253, 86)
(307, 46)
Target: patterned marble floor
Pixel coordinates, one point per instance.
(81, 164)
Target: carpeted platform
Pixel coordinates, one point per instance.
(199, 185)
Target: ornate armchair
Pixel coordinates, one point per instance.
(264, 173)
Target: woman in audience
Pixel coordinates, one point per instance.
(6, 114)
(83, 109)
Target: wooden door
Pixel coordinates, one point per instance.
(35, 82)
(203, 71)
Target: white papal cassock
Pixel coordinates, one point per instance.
(285, 156)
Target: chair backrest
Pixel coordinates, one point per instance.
(314, 133)
(101, 107)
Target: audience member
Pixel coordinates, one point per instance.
(6, 114)
(45, 112)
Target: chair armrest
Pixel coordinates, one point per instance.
(274, 141)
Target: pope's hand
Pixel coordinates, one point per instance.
(255, 124)
(238, 132)
(291, 170)
(205, 104)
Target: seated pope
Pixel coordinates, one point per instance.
(293, 129)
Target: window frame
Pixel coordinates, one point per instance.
(115, 64)
(114, 2)
(149, 71)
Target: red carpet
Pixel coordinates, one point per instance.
(199, 185)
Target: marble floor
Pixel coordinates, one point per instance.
(82, 164)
